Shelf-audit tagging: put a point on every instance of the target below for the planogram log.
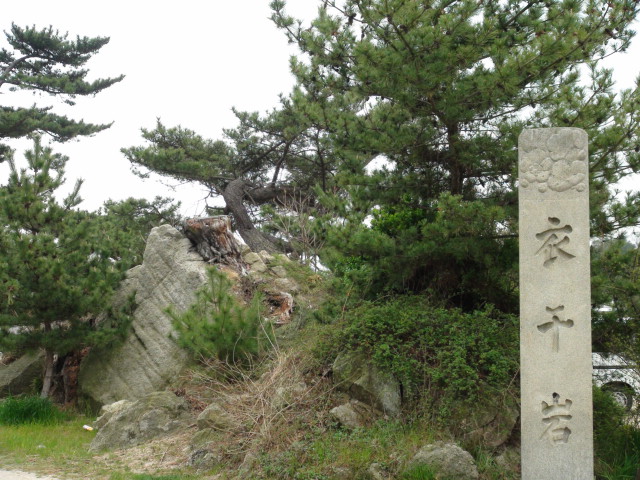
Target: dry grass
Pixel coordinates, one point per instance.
(271, 405)
(161, 455)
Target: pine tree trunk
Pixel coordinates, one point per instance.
(47, 381)
(456, 169)
(234, 199)
(70, 369)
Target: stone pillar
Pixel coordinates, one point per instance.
(555, 319)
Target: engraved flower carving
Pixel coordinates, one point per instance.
(559, 164)
(559, 146)
(565, 175)
(536, 167)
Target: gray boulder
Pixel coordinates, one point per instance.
(286, 285)
(170, 275)
(204, 452)
(215, 417)
(18, 376)
(376, 472)
(354, 414)
(509, 459)
(341, 473)
(255, 262)
(204, 459)
(355, 374)
(206, 437)
(288, 394)
(108, 411)
(491, 423)
(447, 460)
(279, 271)
(155, 415)
(249, 462)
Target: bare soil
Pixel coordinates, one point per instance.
(17, 475)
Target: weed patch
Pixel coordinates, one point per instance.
(25, 410)
(419, 472)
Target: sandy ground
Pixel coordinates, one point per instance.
(16, 475)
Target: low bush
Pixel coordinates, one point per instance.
(25, 410)
(617, 444)
(449, 353)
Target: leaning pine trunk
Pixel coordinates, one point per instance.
(233, 196)
(48, 373)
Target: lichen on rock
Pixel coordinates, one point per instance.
(149, 359)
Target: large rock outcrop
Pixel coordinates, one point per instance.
(170, 275)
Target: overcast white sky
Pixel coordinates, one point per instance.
(186, 62)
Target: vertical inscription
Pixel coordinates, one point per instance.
(555, 240)
(555, 327)
(556, 416)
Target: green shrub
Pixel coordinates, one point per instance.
(217, 325)
(24, 410)
(617, 444)
(453, 353)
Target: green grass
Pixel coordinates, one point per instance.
(625, 467)
(54, 449)
(36, 444)
(30, 410)
(490, 469)
(144, 476)
(322, 453)
(418, 472)
(61, 449)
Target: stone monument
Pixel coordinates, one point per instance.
(555, 320)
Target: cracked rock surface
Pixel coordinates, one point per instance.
(170, 275)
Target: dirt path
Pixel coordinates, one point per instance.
(16, 475)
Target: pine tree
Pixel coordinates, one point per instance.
(439, 92)
(275, 159)
(126, 224)
(45, 61)
(56, 268)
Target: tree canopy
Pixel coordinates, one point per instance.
(435, 93)
(127, 224)
(57, 270)
(275, 159)
(442, 90)
(47, 62)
